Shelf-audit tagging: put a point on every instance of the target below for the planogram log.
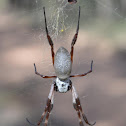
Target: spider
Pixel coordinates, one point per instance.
(62, 62)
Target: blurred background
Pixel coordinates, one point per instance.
(23, 42)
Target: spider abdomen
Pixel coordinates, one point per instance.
(62, 63)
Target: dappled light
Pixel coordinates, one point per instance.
(23, 42)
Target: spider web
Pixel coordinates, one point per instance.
(61, 18)
(115, 10)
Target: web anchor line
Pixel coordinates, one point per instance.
(113, 11)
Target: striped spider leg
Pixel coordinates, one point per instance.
(75, 37)
(78, 108)
(48, 108)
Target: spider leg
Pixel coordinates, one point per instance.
(81, 75)
(78, 105)
(30, 122)
(49, 38)
(75, 37)
(49, 110)
(77, 108)
(83, 115)
(49, 106)
(41, 74)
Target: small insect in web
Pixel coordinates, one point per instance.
(62, 62)
(72, 1)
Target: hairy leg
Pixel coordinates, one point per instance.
(78, 106)
(41, 74)
(75, 37)
(49, 38)
(48, 108)
(81, 75)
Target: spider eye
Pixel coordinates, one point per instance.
(62, 85)
(55, 87)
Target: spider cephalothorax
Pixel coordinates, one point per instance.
(63, 85)
(62, 62)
